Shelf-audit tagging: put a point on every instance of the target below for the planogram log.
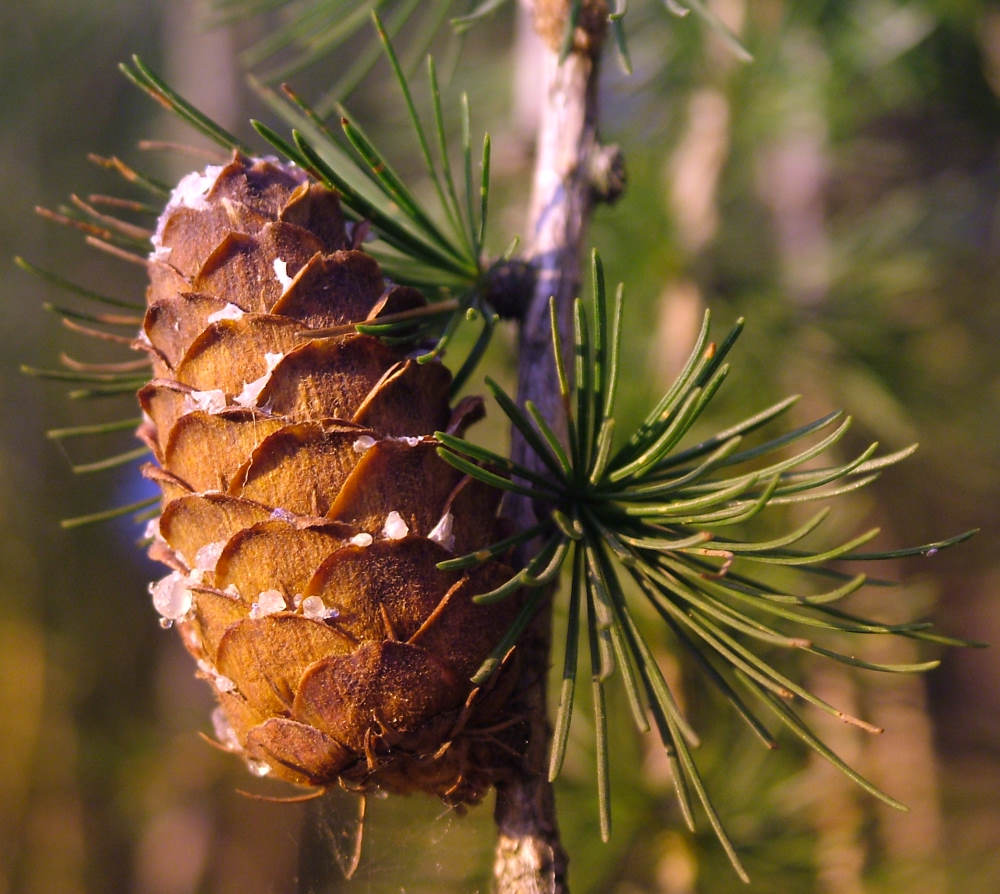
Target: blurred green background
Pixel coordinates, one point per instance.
(842, 192)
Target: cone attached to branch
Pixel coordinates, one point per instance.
(304, 507)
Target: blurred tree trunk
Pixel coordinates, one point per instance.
(793, 175)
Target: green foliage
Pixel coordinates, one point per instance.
(446, 260)
(641, 510)
(660, 516)
(929, 366)
(439, 251)
(309, 35)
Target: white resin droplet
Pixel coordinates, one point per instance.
(223, 683)
(281, 273)
(213, 401)
(365, 442)
(313, 607)
(251, 391)
(229, 312)
(189, 193)
(171, 596)
(279, 514)
(268, 602)
(362, 539)
(250, 394)
(232, 592)
(193, 187)
(395, 528)
(409, 440)
(442, 532)
(208, 556)
(258, 768)
(224, 732)
(152, 531)
(192, 192)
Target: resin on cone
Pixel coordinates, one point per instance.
(304, 505)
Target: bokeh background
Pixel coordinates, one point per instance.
(842, 192)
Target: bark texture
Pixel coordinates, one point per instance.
(529, 856)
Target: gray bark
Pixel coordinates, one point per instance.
(529, 855)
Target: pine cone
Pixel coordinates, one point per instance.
(304, 506)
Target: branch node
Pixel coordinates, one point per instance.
(607, 174)
(509, 287)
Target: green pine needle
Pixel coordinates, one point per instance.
(484, 9)
(657, 512)
(72, 287)
(153, 85)
(97, 428)
(108, 514)
(713, 22)
(438, 248)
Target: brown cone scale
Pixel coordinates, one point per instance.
(304, 506)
